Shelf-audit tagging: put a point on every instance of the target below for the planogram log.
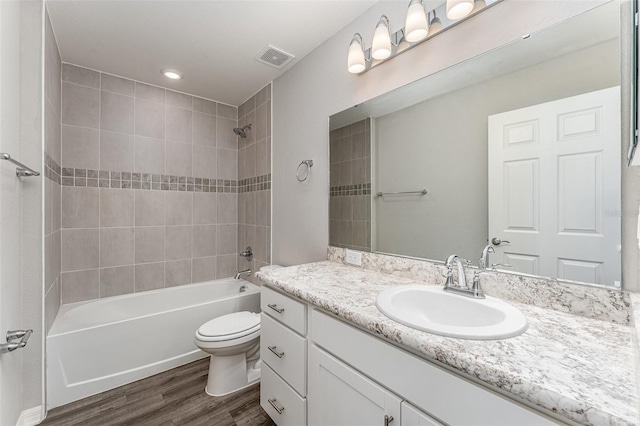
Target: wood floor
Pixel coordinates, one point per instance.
(175, 397)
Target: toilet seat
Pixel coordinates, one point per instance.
(230, 327)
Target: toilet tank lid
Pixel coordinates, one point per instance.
(234, 323)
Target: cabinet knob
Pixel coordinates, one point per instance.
(387, 420)
(272, 401)
(275, 308)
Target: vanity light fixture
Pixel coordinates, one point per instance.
(381, 48)
(458, 9)
(418, 28)
(172, 74)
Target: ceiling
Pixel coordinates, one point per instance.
(213, 43)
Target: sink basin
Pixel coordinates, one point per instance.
(431, 309)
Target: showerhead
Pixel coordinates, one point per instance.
(241, 132)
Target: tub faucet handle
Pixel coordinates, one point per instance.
(248, 253)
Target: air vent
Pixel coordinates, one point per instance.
(274, 57)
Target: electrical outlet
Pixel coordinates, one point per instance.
(354, 257)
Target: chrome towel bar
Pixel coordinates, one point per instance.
(21, 169)
(421, 192)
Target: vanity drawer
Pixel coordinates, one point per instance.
(285, 352)
(285, 309)
(282, 404)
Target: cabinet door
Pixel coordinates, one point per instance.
(411, 416)
(338, 395)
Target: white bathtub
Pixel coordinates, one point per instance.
(101, 344)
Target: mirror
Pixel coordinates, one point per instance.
(520, 146)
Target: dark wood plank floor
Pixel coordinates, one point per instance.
(175, 397)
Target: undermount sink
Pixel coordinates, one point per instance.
(431, 309)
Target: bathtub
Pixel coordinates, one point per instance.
(98, 345)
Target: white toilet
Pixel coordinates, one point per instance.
(233, 341)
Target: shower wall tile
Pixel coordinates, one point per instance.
(116, 112)
(179, 100)
(80, 105)
(149, 276)
(81, 146)
(79, 285)
(111, 83)
(150, 182)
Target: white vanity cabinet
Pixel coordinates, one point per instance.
(355, 378)
(283, 350)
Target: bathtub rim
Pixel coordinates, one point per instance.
(64, 308)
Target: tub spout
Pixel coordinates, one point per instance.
(241, 273)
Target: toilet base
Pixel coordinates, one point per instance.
(229, 374)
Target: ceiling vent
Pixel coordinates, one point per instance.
(274, 57)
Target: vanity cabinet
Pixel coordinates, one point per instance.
(283, 350)
(354, 378)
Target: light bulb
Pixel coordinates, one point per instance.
(458, 9)
(381, 45)
(356, 61)
(478, 4)
(435, 25)
(416, 25)
(172, 74)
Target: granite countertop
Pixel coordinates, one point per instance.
(582, 369)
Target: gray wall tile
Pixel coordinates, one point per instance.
(204, 105)
(149, 119)
(149, 208)
(116, 113)
(80, 105)
(79, 286)
(115, 281)
(227, 208)
(179, 208)
(177, 243)
(204, 161)
(178, 160)
(227, 164)
(149, 155)
(179, 99)
(149, 93)
(204, 240)
(261, 122)
(204, 129)
(226, 239)
(225, 138)
(80, 207)
(114, 84)
(203, 269)
(177, 273)
(149, 244)
(149, 276)
(79, 248)
(116, 151)
(81, 76)
(80, 147)
(116, 207)
(204, 208)
(116, 247)
(179, 124)
(227, 111)
(225, 266)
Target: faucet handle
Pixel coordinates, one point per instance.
(495, 266)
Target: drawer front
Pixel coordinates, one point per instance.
(282, 404)
(288, 311)
(285, 352)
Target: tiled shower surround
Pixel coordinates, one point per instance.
(149, 187)
(254, 174)
(350, 186)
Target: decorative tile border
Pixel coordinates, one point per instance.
(348, 190)
(67, 176)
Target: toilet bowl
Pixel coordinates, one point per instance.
(233, 341)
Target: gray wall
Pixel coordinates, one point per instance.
(319, 86)
(441, 144)
(149, 187)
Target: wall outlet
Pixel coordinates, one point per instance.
(354, 257)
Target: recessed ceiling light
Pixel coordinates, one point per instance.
(172, 74)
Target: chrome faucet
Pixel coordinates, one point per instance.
(461, 287)
(241, 273)
(484, 259)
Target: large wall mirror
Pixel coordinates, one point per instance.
(519, 147)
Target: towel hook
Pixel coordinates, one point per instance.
(307, 169)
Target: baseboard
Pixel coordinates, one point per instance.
(31, 417)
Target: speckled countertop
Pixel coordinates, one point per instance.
(580, 368)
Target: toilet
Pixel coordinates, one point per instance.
(233, 341)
